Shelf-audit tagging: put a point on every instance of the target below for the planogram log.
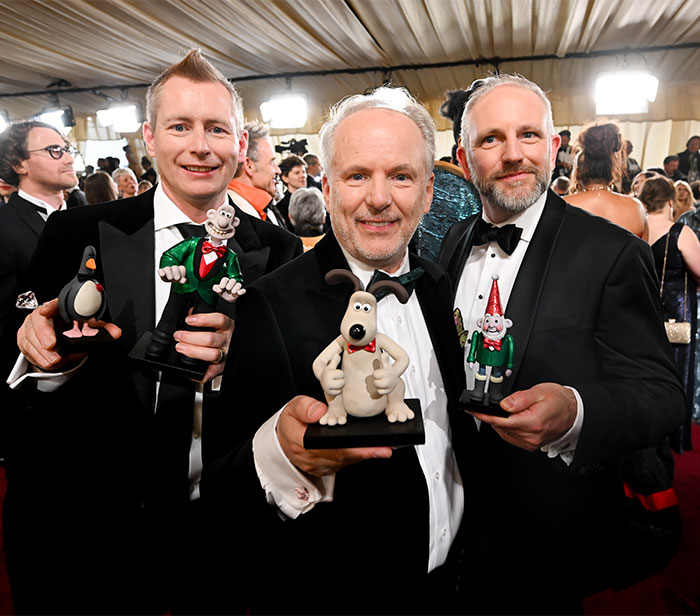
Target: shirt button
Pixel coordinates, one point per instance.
(437, 476)
(399, 319)
(444, 533)
(481, 297)
(493, 254)
(413, 369)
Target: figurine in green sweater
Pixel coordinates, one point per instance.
(491, 346)
(200, 269)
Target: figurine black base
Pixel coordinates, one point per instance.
(485, 406)
(374, 431)
(84, 344)
(170, 364)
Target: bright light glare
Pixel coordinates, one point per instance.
(285, 111)
(3, 121)
(122, 118)
(56, 118)
(623, 92)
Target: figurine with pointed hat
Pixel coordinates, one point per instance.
(492, 346)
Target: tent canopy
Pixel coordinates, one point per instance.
(123, 43)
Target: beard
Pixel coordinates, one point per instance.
(515, 198)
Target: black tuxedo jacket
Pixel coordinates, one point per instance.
(20, 227)
(86, 468)
(76, 198)
(367, 550)
(586, 313)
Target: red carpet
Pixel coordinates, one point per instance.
(676, 590)
(673, 591)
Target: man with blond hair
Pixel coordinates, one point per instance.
(103, 510)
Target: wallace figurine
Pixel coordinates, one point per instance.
(491, 346)
(200, 270)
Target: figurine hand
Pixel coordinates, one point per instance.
(294, 418)
(508, 372)
(229, 289)
(332, 379)
(385, 378)
(471, 365)
(539, 415)
(36, 338)
(210, 346)
(173, 273)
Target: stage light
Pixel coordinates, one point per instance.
(60, 117)
(4, 120)
(625, 92)
(121, 117)
(285, 111)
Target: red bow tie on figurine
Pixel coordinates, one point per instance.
(371, 347)
(220, 250)
(496, 344)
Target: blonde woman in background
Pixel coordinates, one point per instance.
(684, 199)
(597, 174)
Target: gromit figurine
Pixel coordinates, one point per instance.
(82, 298)
(491, 346)
(367, 383)
(200, 270)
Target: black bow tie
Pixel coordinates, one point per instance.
(507, 236)
(407, 281)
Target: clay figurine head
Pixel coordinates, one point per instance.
(221, 223)
(494, 325)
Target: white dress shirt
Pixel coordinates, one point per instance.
(295, 492)
(473, 293)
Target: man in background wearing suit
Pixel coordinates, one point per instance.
(592, 378)
(380, 522)
(36, 158)
(103, 511)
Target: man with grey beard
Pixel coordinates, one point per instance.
(592, 374)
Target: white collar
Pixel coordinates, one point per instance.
(36, 201)
(166, 213)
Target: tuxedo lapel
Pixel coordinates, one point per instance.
(458, 249)
(330, 301)
(128, 262)
(252, 255)
(525, 296)
(27, 213)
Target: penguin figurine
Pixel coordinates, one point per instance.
(82, 298)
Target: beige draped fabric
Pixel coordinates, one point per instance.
(126, 42)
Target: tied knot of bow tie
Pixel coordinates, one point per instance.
(506, 236)
(220, 250)
(407, 281)
(496, 344)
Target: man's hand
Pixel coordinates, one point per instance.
(36, 338)
(299, 413)
(209, 346)
(229, 289)
(173, 273)
(539, 415)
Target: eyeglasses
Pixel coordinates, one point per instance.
(56, 151)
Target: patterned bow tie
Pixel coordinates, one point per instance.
(371, 347)
(407, 281)
(507, 236)
(220, 250)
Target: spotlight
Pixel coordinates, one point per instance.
(624, 92)
(4, 120)
(285, 111)
(122, 117)
(60, 117)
